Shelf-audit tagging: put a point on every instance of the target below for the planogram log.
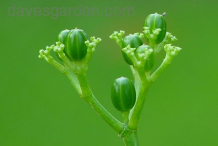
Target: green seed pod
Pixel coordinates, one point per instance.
(62, 37)
(150, 62)
(74, 41)
(123, 94)
(134, 41)
(154, 21)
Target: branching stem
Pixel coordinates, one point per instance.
(75, 70)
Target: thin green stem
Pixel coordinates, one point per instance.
(125, 116)
(137, 109)
(133, 123)
(142, 86)
(105, 115)
(131, 139)
(74, 80)
(166, 62)
(88, 96)
(160, 46)
(152, 44)
(168, 39)
(137, 81)
(57, 65)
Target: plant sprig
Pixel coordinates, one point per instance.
(76, 54)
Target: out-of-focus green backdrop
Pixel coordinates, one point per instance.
(39, 107)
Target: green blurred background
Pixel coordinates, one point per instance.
(39, 107)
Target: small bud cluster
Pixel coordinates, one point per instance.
(143, 57)
(59, 49)
(91, 45)
(151, 35)
(129, 51)
(172, 50)
(118, 37)
(170, 38)
(45, 54)
(141, 35)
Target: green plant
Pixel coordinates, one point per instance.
(126, 97)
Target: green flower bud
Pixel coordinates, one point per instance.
(150, 62)
(154, 21)
(62, 37)
(74, 41)
(123, 94)
(134, 41)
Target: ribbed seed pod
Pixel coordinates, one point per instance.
(123, 94)
(134, 41)
(62, 37)
(74, 41)
(154, 21)
(150, 62)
